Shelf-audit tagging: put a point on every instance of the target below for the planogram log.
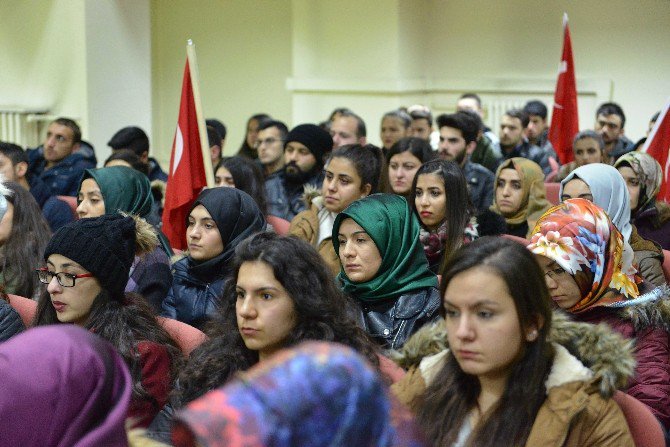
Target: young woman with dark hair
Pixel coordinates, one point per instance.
(394, 126)
(501, 381)
(23, 235)
(243, 174)
(384, 268)
(351, 172)
(441, 201)
(272, 301)
(87, 268)
(248, 149)
(404, 159)
(218, 221)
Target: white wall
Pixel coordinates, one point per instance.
(89, 60)
(298, 59)
(118, 67)
(244, 56)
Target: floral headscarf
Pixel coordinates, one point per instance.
(534, 202)
(579, 237)
(648, 172)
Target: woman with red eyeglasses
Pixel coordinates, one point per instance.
(87, 268)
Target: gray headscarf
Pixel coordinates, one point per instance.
(609, 192)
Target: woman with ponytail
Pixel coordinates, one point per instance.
(351, 173)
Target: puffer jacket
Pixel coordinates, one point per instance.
(534, 153)
(590, 364)
(648, 324)
(653, 223)
(392, 322)
(285, 200)
(63, 178)
(480, 185)
(192, 300)
(648, 257)
(306, 227)
(10, 321)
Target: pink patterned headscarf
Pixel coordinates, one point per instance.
(579, 237)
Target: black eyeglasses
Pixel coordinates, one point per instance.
(64, 279)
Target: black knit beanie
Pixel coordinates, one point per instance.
(318, 141)
(105, 246)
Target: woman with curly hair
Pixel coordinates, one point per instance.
(23, 235)
(272, 301)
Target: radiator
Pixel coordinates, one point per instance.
(22, 126)
(494, 109)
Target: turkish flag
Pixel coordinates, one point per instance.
(564, 118)
(658, 146)
(187, 169)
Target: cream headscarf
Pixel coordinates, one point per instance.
(534, 202)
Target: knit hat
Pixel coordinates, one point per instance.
(105, 246)
(318, 141)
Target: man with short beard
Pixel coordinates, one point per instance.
(458, 138)
(305, 148)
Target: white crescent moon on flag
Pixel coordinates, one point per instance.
(178, 149)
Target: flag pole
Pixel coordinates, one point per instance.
(202, 129)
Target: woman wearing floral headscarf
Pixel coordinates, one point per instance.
(643, 176)
(520, 196)
(604, 186)
(589, 272)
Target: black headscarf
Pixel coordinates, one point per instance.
(237, 217)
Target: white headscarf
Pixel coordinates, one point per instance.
(609, 192)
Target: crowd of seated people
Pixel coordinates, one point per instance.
(454, 286)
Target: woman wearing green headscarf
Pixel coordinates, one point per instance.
(119, 188)
(384, 268)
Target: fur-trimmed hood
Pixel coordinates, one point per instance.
(312, 196)
(650, 310)
(607, 354)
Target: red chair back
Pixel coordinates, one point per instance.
(666, 265)
(644, 427)
(552, 190)
(187, 337)
(72, 202)
(25, 307)
(280, 225)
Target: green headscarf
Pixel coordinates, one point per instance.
(394, 228)
(125, 189)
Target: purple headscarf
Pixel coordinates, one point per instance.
(62, 386)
